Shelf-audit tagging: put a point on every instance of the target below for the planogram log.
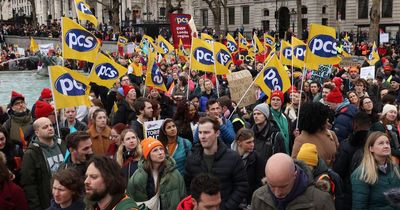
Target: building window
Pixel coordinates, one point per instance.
(341, 9)
(266, 12)
(304, 10)
(265, 25)
(246, 14)
(162, 11)
(304, 24)
(362, 9)
(324, 10)
(387, 8)
(204, 16)
(324, 21)
(231, 14)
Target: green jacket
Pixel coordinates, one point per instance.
(172, 185)
(367, 196)
(36, 176)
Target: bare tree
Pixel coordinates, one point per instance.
(225, 6)
(170, 8)
(33, 10)
(374, 15)
(215, 7)
(299, 20)
(112, 9)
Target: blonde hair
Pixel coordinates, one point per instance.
(368, 166)
(120, 151)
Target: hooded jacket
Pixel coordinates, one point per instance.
(268, 140)
(343, 120)
(186, 204)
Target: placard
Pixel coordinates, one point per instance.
(367, 72)
(44, 48)
(152, 128)
(324, 71)
(383, 38)
(180, 29)
(352, 61)
(238, 84)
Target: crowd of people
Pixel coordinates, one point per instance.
(332, 144)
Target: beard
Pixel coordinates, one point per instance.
(97, 195)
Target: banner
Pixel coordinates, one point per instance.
(222, 57)
(286, 53)
(238, 84)
(77, 42)
(45, 48)
(242, 42)
(373, 56)
(163, 46)
(273, 77)
(180, 29)
(34, 47)
(231, 43)
(323, 72)
(202, 57)
(153, 74)
(206, 37)
(84, 13)
(269, 41)
(152, 128)
(298, 52)
(322, 46)
(69, 88)
(106, 71)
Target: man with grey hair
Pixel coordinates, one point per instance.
(289, 186)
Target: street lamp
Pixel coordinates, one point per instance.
(293, 14)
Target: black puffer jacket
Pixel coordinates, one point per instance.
(227, 166)
(124, 114)
(268, 141)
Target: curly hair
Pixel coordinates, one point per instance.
(71, 179)
(313, 116)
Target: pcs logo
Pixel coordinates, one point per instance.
(80, 40)
(323, 46)
(299, 52)
(204, 56)
(156, 76)
(223, 57)
(83, 8)
(106, 71)
(164, 47)
(272, 79)
(182, 20)
(269, 41)
(231, 46)
(67, 85)
(287, 52)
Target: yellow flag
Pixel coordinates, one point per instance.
(84, 13)
(322, 46)
(222, 57)
(106, 71)
(259, 47)
(153, 75)
(242, 42)
(135, 69)
(181, 49)
(122, 41)
(286, 53)
(298, 52)
(164, 47)
(202, 57)
(78, 43)
(146, 40)
(69, 88)
(231, 43)
(269, 40)
(273, 77)
(34, 47)
(207, 37)
(373, 56)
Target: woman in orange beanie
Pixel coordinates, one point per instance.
(156, 181)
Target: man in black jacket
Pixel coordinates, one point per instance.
(213, 156)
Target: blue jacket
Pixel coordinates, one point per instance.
(343, 125)
(227, 132)
(181, 152)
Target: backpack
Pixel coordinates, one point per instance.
(128, 203)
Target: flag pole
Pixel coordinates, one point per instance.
(215, 69)
(292, 62)
(303, 76)
(190, 65)
(55, 103)
(252, 83)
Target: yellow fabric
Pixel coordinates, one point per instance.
(106, 71)
(153, 74)
(308, 153)
(84, 13)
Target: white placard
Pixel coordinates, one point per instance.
(130, 48)
(21, 51)
(383, 38)
(44, 48)
(152, 128)
(367, 72)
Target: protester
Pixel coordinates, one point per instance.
(72, 121)
(186, 118)
(367, 106)
(157, 178)
(129, 152)
(99, 132)
(277, 100)
(13, 154)
(45, 96)
(144, 111)
(126, 112)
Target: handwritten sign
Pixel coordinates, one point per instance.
(238, 84)
(367, 72)
(352, 61)
(324, 71)
(152, 128)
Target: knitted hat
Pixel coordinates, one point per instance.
(149, 144)
(387, 108)
(46, 93)
(43, 109)
(335, 96)
(126, 89)
(277, 93)
(338, 81)
(308, 154)
(292, 89)
(388, 68)
(263, 108)
(396, 79)
(15, 96)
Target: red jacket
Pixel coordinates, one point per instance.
(12, 197)
(185, 204)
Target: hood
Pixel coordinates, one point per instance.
(305, 169)
(343, 104)
(185, 204)
(321, 168)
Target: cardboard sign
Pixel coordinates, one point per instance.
(324, 71)
(352, 61)
(44, 48)
(152, 128)
(238, 84)
(383, 38)
(180, 29)
(367, 72)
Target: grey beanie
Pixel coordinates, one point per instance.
(264, 108)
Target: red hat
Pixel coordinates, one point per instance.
(388, 68)
(338, 81)
(46, 93)
(127, 88)
(277, 93)
(15, 96)
(292, 89)
(43, 109)
(335, 96)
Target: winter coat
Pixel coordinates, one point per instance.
(268, 140)
(310, 199)
(393, 136)
(172, 186)
(227, 166)
(17, 121)
(12, 197)
(79, 126)
(370, 196)
(100, 141)
(227, 133)
(343, 124)
(36, 176)
(125, 113)
(75, 205)
(181, 152)
(186, 204)
(326, 142)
